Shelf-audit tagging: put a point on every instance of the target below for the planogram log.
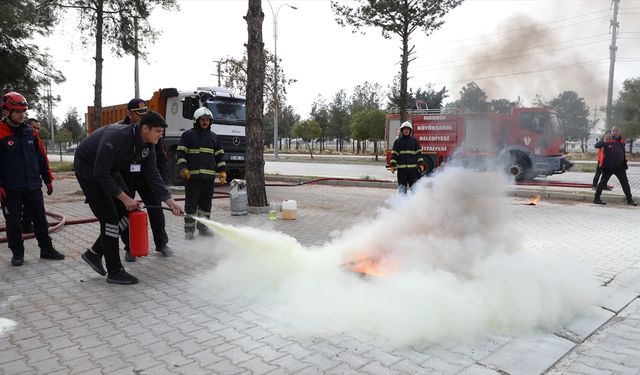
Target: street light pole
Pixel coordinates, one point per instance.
(275, 75)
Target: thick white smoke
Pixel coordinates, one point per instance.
(452, 267)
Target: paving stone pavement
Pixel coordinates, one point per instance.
(69, 321)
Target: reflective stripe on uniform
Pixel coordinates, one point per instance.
(202, 171)
(411, 152)
(111, 230)
(124, 223)
(407, 166)
(181, 160)
(221, 164)
(204, 150)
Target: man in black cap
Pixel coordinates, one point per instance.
(138, 108)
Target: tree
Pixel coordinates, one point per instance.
(397, 17)
(365, 96)
(626, 110)
(339, 118)
(254, 162)
(121, 23)
(504, 106)
(234, 73)
(432, 98)
(308, 130)
(72, 124)
(23, 66)
(573, 114)
(320, 114)
(369, 125)
(472, 99)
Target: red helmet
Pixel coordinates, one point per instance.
(13, 100)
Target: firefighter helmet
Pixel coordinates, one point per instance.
(406, 124)
(202, 112)
(14, 101)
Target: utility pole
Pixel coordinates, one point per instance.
(219, 63)
(612, 60)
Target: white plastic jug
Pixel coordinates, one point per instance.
(289, 209)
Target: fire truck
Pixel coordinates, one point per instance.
(526, 142)
(177, 107)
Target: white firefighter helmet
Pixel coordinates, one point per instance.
(406, 124)
(200, 112)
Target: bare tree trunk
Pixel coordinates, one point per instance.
(254, 162)
(404, 67)
(97, 88)
(375, 149)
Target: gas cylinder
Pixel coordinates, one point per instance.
(238, 196)
(138, 234)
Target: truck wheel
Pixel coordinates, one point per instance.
(520, 169)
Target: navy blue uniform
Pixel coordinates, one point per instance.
(23, 168)
(97, 164)
(405, 157)
(200, 151)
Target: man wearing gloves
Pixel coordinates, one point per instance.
(406, 157)
(23, 168)
(200, 156)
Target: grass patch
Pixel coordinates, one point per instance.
(591, 168)
(61, 166)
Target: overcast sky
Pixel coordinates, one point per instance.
(511, 48)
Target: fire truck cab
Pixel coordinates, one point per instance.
(527, 142)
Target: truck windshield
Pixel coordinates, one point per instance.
(555, 124)
(227, 111)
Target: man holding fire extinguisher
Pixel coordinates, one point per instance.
(98, 160)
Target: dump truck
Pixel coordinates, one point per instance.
(527, 142)
(177, 107)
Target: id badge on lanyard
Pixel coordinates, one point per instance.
(135, 168)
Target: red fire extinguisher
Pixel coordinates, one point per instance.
(138, 234)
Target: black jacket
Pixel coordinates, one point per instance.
(406, 152)
(23, 161)
(201, 152)
(613, 153)
(111, 148)
(162, 158)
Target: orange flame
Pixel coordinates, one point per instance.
(534, 200)
(370, 266)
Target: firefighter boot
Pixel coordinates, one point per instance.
(51, 253)
(165, 250)
(599, 201)
(189, 236)
(94, 260)
(17, 260)
(121, 277)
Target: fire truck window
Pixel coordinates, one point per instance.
(533, 121)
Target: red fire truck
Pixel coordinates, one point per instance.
(527, 142)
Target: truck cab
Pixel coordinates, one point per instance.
(229, 120)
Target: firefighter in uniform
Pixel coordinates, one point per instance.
(406, 157)
(98, 160)
(136, 183)
(200, 156)
(23, 168)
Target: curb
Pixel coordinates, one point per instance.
(553, 193)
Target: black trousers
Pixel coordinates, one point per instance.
(197, 201)
(621, 173)
(138, 183)
(33, 204)
(407, 177)
(596, 177)
(113, 217)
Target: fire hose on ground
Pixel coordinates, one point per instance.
(62, 220)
